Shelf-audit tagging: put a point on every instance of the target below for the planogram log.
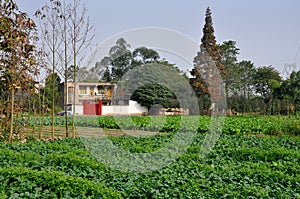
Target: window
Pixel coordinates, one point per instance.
(82, 90)
(101, 89)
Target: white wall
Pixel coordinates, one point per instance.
(79, 110)
(134, 108)
(107, 110)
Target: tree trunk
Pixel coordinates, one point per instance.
(12, 115)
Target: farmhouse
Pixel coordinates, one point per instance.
(97, 98)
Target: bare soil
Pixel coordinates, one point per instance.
(60, 131)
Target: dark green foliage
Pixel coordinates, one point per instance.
(266, 79)
(151, 94)
(237, 167)
(243, 88)
(58, 91)
(121, 64)
(106, 75)
(121, 60)
(19, 182)
(155, 83)
(229, 53)
(289, 93)
(70, 73)
(143, 55)
(118, 62)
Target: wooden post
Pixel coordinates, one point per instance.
(12, 115)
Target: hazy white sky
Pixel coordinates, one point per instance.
(267, 32)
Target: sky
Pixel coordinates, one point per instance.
(266, 32)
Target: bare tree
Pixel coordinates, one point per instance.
(65, 57)
(50, 16)
(81, 34)
(66, 32)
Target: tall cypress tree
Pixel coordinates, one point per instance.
(204, 71)
(208, 42)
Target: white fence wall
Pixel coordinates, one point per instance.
(79, 110)
(133, 108)
(136, 108)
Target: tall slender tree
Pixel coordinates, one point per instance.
(208, 42)
(50, 16)
(65, 59)
(81, 36)
(207, 64)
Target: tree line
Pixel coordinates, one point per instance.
(248, 88)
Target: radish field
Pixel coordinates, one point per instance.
(254, 157)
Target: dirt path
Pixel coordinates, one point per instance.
(59, 131)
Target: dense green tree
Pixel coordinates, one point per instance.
(295, 87)
(120, 59)
(289, 93)
(245, 85)
(70, 73)
(148, 92)
(145, 55)
(47, 90)
(84, 74)
(151, 94)
(106, 75)
(229, 53)
(266, 80)
(153, 83)
(246, 73)
(242, 85)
